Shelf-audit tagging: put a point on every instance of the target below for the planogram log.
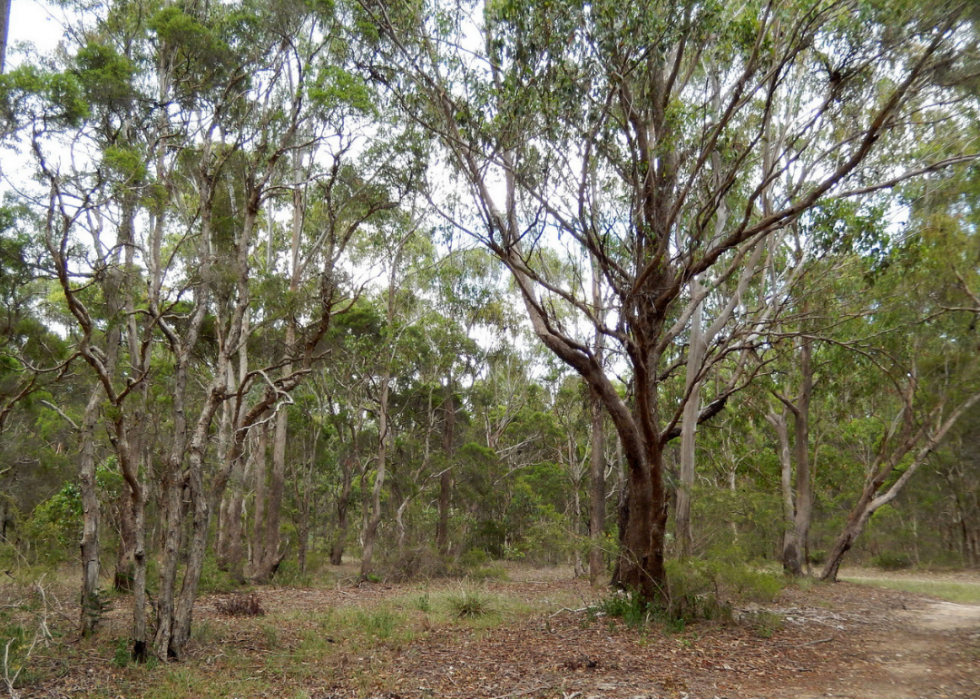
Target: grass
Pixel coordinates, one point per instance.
(959, 592)
(289, 648)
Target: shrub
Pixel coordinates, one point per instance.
(892, 561)
(414, 564)
(698, 591)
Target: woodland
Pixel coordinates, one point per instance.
(655, 290)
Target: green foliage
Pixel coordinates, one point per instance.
(634, 611)
(55, 526)
(335, 88)
(214, 580)
(105, 76)
(121, 652)
(29, 92)
(891, 561)
(698, 591)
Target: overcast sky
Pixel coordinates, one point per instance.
(33, 21)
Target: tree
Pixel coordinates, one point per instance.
(591, 130)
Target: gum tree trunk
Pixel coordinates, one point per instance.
(91, 612)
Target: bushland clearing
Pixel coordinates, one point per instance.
(537, 634)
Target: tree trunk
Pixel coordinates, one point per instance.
(343, 503)
(259, 448)
(640, 567)
(804, 480)
(446, 477)
(885, 465)
(597, 491)
(371, 530)
(91, 612)
(695, 357)
(4, 32)
(267, 539)
(790, 553)
(231, 555)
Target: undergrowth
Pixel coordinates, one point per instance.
(697, 591)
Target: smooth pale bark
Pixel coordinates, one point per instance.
(597, 491)
(695, 358)
(597, 456)
(4, 32)
(796, 482)
(446, 477)
(789, 548)
(801, 436)
(381, 461)
(91, 604)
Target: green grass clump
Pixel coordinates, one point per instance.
(467, 603)
(379, 623)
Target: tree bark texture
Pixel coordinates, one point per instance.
(91, 604)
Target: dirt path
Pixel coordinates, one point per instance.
(842, 640)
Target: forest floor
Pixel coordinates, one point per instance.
(535, 635)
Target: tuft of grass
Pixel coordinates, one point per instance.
(379, 623)
(958, 592)
(271, 635)
(764, 624)
(467, 603)
(122, 654)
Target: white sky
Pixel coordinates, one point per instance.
(35, 22)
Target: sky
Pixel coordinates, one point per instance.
(35, 22)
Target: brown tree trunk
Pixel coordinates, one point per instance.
(641, 561)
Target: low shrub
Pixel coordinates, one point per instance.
(891, 561)
(416, 564)
(697, 591)
(241, 605)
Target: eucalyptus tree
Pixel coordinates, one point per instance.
(286, 95)
(592, 129)
(919, 339)
(183, 128)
